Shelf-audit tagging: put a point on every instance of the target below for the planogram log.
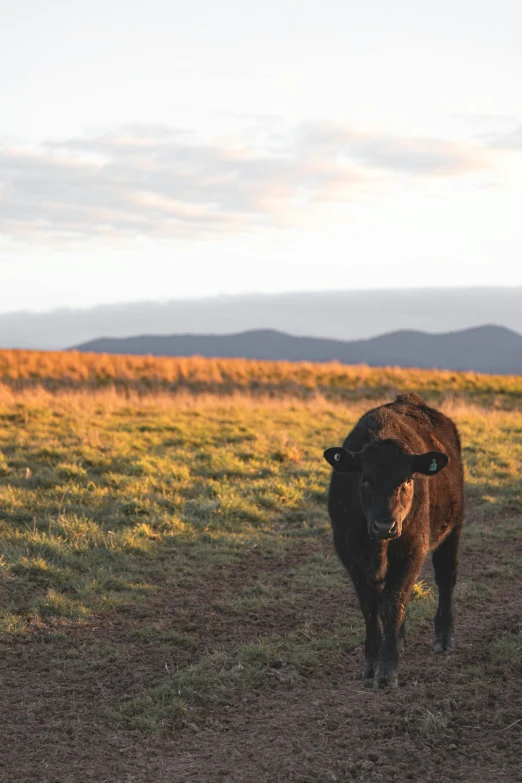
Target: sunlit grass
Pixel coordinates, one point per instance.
(102, 495)
(109, 502)
(147, 374)
(165, 492)
(422, 605)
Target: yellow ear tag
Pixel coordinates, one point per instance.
(433, 465)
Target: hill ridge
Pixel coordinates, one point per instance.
(485, 348)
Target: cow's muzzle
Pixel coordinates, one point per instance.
(383, 528)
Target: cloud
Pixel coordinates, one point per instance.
(401, 155)
(488, 120)
(419, 157)
(506, 141)
(159, 182)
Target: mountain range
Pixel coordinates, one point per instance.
(335, 315)
(487, 349)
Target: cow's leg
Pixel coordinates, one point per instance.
(445, 567)
(402, 636)
(392, 607)
(391, 611)
(367, 595)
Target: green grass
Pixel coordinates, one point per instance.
(468, 594)
(110, 505)
(507, 649)
(320, 572)
(425, 723)
(101, 501)
(421, 606)
(222, 674)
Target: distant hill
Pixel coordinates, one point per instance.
(333, 315)
(489, 349)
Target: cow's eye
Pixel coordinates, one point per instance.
(365, 482)
(407, 483)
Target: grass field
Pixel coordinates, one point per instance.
(169, 590)
(68, 370)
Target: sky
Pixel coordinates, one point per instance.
(165, 150)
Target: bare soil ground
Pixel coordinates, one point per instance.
(454, 718)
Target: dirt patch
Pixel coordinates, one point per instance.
(454, 718)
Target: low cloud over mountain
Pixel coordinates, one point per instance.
(344, 315)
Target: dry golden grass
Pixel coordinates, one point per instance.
(85, 402)
(145, 374)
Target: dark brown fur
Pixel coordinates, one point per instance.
(381, 476)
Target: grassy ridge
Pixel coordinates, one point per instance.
(72, 369)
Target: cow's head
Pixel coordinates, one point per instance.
(386, 481)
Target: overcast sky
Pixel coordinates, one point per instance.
(152, 151)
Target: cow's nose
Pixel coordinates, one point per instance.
(383, 528)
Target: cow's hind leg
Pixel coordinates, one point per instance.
(445, 567)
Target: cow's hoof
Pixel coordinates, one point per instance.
(367, 672)
(383, 678)
(444, 645)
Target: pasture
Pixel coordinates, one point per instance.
(171, 608)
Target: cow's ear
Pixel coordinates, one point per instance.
(429, 463)
(342, 460)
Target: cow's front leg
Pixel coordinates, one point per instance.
(392, 606)
(402, 637)
(404, 565)
(400, 579)
(367, 594)
(368, 602)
